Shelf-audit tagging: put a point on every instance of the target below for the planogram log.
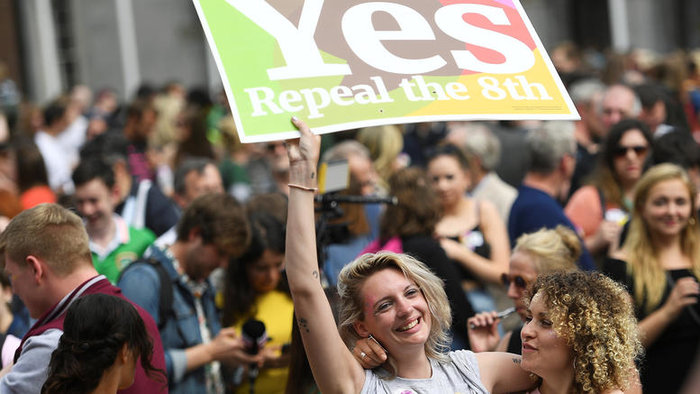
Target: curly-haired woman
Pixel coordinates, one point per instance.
(580, 334)
(537, 253)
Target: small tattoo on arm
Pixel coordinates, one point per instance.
(303, 324)
(516, 361)
(313, 174)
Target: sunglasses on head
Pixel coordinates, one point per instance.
(622, 151)
(517, 280)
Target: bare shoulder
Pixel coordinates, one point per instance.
(489, 216)
(487, 209)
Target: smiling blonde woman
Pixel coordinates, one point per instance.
(392, 297)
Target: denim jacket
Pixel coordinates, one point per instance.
(141, 284)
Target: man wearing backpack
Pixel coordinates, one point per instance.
(212, 230)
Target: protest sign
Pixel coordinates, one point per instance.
(343, 64)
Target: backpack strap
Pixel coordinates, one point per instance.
(166, 297)
(601, 196)
(141, 202)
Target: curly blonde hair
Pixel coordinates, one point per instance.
(352, 278)
(596, 318)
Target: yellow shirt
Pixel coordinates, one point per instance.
(275, 309)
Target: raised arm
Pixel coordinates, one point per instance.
(332, 364)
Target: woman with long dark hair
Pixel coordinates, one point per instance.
(600, 209)
(103, 339)
(256, 289)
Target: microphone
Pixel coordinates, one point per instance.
(254, 337)
(339, 198)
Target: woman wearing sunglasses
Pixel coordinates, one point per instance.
(541, 252)
(600, 209)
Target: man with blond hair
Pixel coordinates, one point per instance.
(45, 252)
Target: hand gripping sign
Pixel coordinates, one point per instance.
(343, 64)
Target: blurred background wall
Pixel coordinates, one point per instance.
(52, 45)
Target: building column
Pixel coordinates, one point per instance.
(619, 25)
(44, 77)
(126, 30)
(214, 82)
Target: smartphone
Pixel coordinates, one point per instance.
(380, 345)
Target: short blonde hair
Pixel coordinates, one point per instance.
(352, 278)
(552, 249)
(49, 232)
(595, 316)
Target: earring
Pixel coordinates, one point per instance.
(691, 221)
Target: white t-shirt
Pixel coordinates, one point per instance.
(8, 349)
(59, 165)
(459, 375)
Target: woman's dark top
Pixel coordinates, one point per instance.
(426, 249)
(515, 344)
(475, 241)
(667, 361)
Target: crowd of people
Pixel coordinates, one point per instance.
(145, 246)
